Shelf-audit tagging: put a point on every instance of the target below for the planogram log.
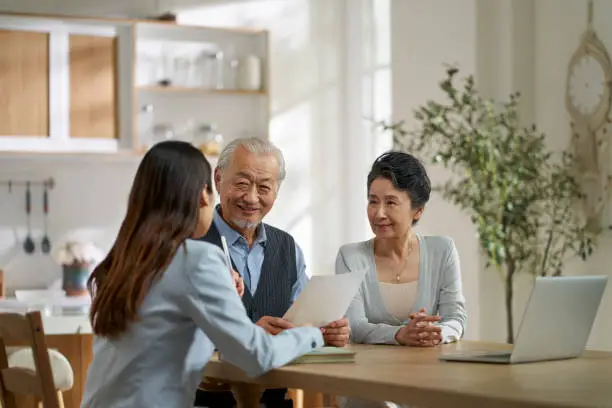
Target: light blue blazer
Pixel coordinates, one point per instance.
(439, 291)
(159, 360)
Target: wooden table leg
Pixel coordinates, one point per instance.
(297, 396)
(313, 399)
(247, 395)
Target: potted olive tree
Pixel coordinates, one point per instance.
(520, 196)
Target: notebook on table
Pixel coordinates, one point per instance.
(327, 355)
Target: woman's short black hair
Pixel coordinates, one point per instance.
(406, 173)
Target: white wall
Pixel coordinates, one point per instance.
(88, 200)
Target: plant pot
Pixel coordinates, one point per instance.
(74, 279)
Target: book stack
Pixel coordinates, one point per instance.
(327, 355)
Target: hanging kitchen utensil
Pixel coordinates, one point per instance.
(45, 244)
(28, 244)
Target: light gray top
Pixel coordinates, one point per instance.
(159, 360)
(439, 291)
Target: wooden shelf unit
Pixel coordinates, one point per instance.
(93, 99)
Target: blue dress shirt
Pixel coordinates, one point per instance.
(249, 260)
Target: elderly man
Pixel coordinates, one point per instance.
(247, 177)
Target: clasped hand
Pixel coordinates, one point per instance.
(420, 331)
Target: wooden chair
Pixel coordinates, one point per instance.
(27, 370)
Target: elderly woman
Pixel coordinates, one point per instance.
(412, 293)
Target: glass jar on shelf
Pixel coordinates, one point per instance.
(182, 68)
(145, 122)
(249, 74)
(208, 70)
(219, 70)
(208, 140)
(146, 70)
(159, 133)
(186, 131)
(214, 69)
(165, 70)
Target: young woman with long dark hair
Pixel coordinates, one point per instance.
(162, 302)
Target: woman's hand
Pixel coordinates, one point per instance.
(420, 331)
(274, 325)
(337, 334)
(238, 283)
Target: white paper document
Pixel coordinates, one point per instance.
(325, 299)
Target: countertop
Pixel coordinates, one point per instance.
(67, 323)
(62, 316)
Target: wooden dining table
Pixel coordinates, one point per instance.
(416, 376)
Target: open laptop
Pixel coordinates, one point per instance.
(556, 324)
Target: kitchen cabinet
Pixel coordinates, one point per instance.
(93, 87)
(104, 85)
(59, 81)
(24, 83)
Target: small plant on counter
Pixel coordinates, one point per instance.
(76, 259)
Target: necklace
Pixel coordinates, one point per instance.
(398, 274)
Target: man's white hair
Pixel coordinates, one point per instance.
(254, 145)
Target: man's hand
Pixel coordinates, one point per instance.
(420, 332)
(238, 283)
(337, 334)
(274, 325)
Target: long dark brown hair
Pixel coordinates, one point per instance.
(162, 212)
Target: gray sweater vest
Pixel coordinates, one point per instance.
(278, 274)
